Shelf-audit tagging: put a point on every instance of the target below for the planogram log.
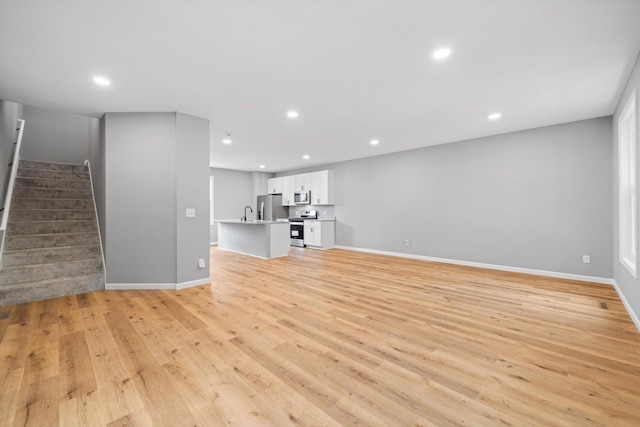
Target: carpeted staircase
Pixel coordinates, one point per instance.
(52, 247)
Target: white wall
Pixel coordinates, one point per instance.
(536, 199)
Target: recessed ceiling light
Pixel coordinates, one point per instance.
(306, 157)
(442, 53)
(261, 166)
(102, 81)
(374, 142)
(292, 114)
(494, 116)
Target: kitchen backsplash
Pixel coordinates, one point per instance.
(324, 211)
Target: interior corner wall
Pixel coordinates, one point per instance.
(140, 198)
(96, 160)
(627, 284)
(192, 184)
(535, 199)
(56, 136)
(10, 113)
(232, 192)
(259, 185)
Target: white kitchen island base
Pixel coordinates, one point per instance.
(263, 239)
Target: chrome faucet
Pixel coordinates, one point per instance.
(244, 218)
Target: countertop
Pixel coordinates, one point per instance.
(320, 219)
(251, 221)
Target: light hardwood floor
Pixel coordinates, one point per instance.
(326, 338)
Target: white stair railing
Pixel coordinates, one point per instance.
(12, 179)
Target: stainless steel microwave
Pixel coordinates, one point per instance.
(302, 197)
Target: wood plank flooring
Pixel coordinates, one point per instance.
(325, 338)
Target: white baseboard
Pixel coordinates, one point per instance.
(158, 286)
(213, 243)
(192, 283)
(559, 275)
(129, 286)
(632, 314)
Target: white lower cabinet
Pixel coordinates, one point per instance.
(320, 234)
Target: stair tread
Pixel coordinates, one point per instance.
(56, 189)
(51, 209)
(15, 251)
(52, 220)
(46, 264)
(51, 280)
(51, 234)
(46, 198)
(53, 179)
(24, 285)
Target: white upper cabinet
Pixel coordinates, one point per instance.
(302, 182)
(275, 185)
(319, 184)
(287, 191)
(321, 187)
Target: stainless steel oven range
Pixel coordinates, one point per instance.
(297, 227)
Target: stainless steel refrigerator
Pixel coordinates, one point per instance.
(270, 207)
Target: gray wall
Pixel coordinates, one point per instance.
(97, 159)
(56, 136)
(537, 199)
(140, 197)
(629, 286)
(259, 186)
(232, 192)
(192, 183)
(10, 112)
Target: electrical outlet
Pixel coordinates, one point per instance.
(586, 259)
(406, 242)
(190, 213)
(201, 263)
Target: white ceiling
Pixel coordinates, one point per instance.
(355, 70)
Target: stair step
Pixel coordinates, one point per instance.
(50, 227)
(33, 241)
(20, 203)
(32, 273)
(51, 174)
(58, 184)
(26, 215)
(45, 289)
(48, 193)
(49, 255)
(34, 164)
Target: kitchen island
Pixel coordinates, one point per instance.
(262, 239)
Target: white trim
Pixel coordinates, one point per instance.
(126, 286)
(197, 282)
(213, 243)
(87, 163)
(13, 174)
(156, 286)
(602, 280)
(57, 163)
(632, 314)
(627, 177)
(248, 254)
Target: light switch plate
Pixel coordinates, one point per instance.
(191, 213)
